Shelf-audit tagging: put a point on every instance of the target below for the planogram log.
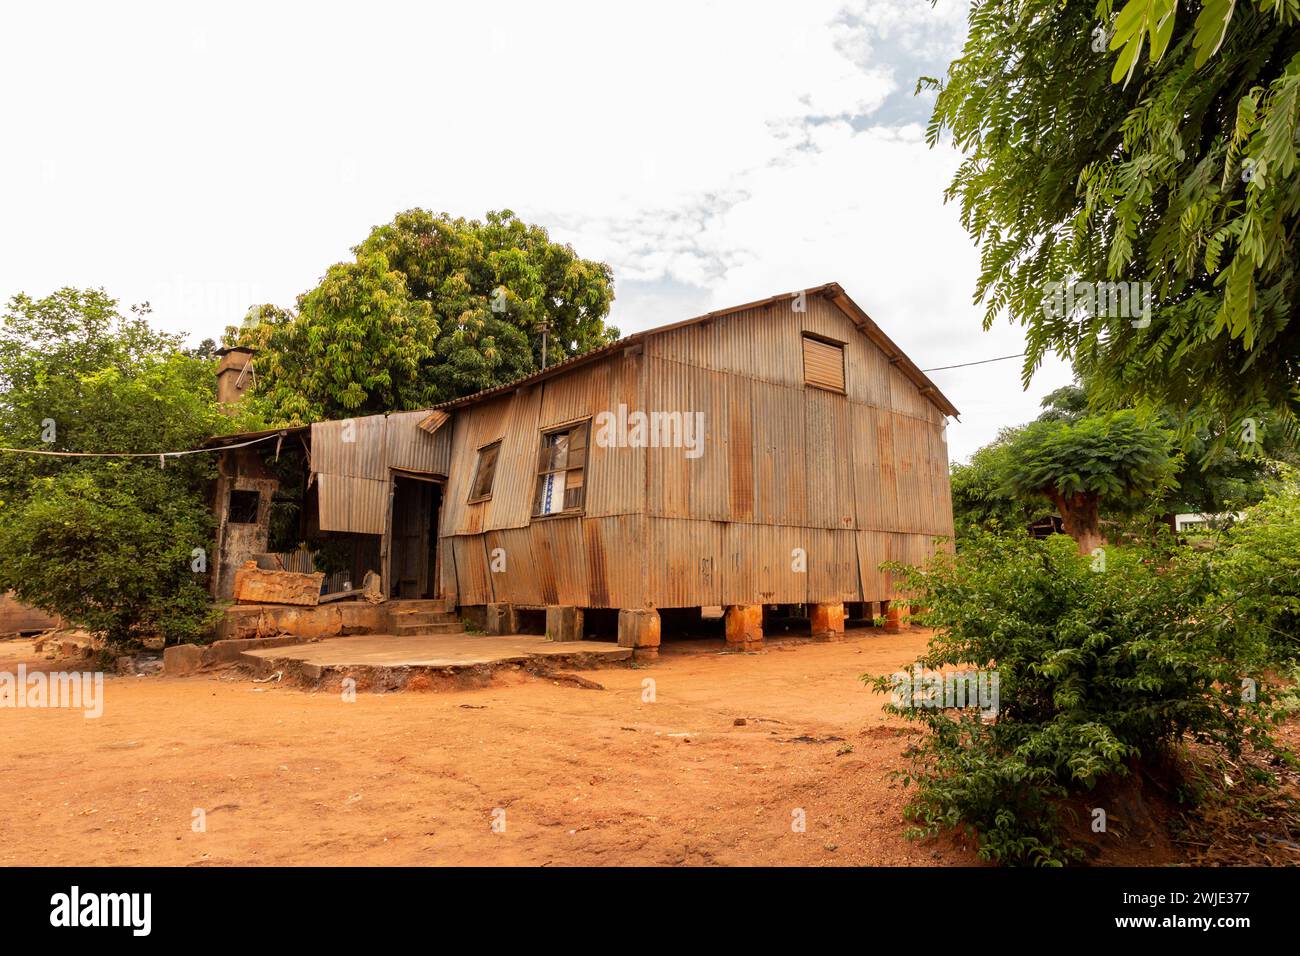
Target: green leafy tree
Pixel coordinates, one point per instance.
(1120, 460)
(1213, 476)
(1066, 404)
(432, 308)
(106, 542)
(1140, 142)
(982, 499)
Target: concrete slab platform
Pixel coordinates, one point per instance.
(391, 662)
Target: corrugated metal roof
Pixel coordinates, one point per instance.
(831, 290)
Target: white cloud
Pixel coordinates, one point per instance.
(711, 152)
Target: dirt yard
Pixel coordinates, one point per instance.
(730, 753)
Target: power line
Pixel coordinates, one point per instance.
(160, 455)
(1001, 358)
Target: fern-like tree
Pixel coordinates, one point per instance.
(1140, 141)
(1121, 461)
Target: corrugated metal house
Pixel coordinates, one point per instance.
(774, 453)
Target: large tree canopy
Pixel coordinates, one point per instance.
(1140, 141)
(1119, 460)
(432, 308)
(1008, 481)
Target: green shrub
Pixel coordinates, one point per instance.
(112, 549)
(1261, 567)
(1099, 666)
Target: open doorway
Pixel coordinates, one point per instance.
(417, 501)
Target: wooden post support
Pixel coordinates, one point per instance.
(827, 621)
(563, 623)
(501, 619)
(744, 627)
(638, 628)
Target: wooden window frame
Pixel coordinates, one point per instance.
(541, 472)
(478, 470)
(844, 360)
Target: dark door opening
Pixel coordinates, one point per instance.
(416, 503)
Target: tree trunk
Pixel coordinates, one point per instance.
(1079, 516)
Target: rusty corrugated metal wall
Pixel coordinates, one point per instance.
(353, 459)
(849, 479)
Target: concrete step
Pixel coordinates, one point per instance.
(417, 616)
(441, 627)
(420, 604)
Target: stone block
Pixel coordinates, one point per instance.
(255, 586)
(563, 623)
(501, 619)
(827, 621)
(744, 626)
(638, 628)
(182, 659)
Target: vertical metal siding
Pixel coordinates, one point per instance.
(347, 503)
(362, 457)
(852, 479)
(409, 446)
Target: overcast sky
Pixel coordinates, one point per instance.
(205, 158)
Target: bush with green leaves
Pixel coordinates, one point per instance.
(1261, 567)
(1100, 666)
(112, 549)
(981, 498)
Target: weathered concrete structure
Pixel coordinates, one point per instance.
(18, 618)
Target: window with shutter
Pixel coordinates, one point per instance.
(823, 363)
(487, 468)
(561, 471)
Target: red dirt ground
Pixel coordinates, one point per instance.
(585, 777)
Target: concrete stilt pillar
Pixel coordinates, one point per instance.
(563, 623)
(501, 619)
(827, 621)
(744, 626)
(893, 619)
(638, 628)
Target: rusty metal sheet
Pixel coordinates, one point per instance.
(353, 447)
(410, 447)
(359, 505)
